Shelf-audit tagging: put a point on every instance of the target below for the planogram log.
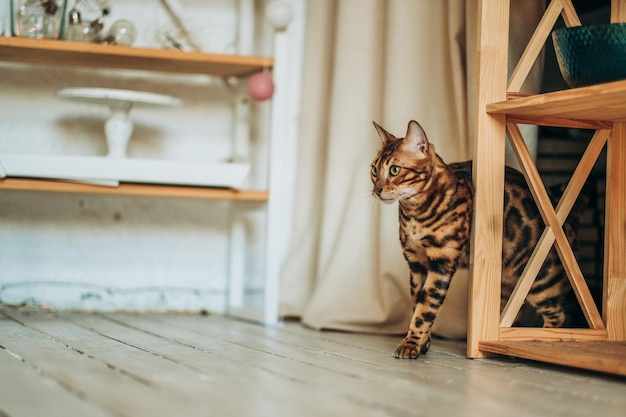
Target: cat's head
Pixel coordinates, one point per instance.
(403, 165)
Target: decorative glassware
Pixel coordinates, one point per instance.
(77, 29)
(38, 18)
(122, 32)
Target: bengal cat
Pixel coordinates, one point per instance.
(435, 209)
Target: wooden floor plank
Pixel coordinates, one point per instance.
(204, 380)
(109, 388)
(360, 349)
(309, 383)
(169, 365)
(26, 384)
(430, 385)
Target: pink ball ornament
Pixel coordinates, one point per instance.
(261, 87)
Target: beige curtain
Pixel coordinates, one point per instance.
(369, 60)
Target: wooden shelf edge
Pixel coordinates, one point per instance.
(596, 106)
(606, 357)
(132, 189)
(66, 53)
(561, 122)
(551, 334)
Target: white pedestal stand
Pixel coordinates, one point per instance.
(119, 127)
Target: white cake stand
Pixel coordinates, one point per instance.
(119, 127)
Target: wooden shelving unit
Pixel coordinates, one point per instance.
(601, 347)
(595, 107)
(80, 54)
(64, 53)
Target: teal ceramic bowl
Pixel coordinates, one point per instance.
(591, 54)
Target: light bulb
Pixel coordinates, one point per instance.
(78, 30)
(122, 32)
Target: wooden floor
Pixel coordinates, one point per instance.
(71, 364)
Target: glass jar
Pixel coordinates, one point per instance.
(38, 18)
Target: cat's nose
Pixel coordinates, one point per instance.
(378, 191)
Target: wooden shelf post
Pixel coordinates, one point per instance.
(489, 141)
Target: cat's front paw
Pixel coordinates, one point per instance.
(411, 348)
(407, 351)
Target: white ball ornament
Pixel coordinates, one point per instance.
(279, 13)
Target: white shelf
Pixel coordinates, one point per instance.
(99, 169)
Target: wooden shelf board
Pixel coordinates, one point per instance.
(68, 54)
(595, 104)
(607, 357)
(551, 334)
(130, 189)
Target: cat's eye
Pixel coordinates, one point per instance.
(394, 170)
(374, 171)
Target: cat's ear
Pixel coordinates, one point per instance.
(415, 140)
(384, 135)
